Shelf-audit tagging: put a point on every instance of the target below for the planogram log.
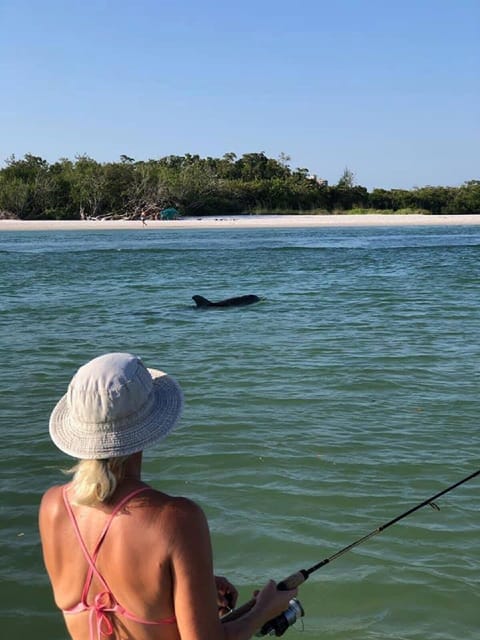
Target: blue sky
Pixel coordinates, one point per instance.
(389, 89)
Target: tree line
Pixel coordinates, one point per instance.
(31, 189)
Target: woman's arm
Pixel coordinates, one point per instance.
(195, 594)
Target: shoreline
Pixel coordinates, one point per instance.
(247, 222)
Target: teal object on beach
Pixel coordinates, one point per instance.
(169, 214)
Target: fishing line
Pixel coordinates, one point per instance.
(279, 625)
(299, 578)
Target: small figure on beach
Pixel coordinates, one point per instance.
(143, 220)
(125, 559)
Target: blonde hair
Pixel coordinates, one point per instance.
(95, 481)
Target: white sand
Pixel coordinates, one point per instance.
(247, 221)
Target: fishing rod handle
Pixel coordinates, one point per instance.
(292, 582)
(238, 612)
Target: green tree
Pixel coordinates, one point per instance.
(347, 179)
(434, 199)
(189, 189)
(88, 187)
(31, 187)
(14, 195)
(380, 199)
(466, 199)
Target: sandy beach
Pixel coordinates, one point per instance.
(246, 221)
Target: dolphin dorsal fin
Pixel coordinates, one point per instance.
(201, 301)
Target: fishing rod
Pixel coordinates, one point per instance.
(281, 623)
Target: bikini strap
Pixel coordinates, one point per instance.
(116, 510)
(91, 558)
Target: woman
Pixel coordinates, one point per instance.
(127, 561)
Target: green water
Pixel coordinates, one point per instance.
(345, 397)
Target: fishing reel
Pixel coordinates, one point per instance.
(281, 623)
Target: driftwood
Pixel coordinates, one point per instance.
(7, 215)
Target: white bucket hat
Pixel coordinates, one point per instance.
(114, 406)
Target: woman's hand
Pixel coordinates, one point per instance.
(270, 602)
(226, 595)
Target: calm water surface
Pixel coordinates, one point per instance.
(345, 397)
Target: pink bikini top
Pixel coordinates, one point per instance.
(104, 603)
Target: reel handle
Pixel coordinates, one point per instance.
(293, 581)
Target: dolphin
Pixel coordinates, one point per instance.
(239, 301)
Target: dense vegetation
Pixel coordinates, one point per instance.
(31, 188)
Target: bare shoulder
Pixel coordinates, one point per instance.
(51, 499)
(182, 512)
(51, 509)
(53, 493)
(180, 520)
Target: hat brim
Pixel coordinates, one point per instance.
(161, 418)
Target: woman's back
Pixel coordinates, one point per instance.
(134, 560)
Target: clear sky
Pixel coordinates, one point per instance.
(388, 88)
